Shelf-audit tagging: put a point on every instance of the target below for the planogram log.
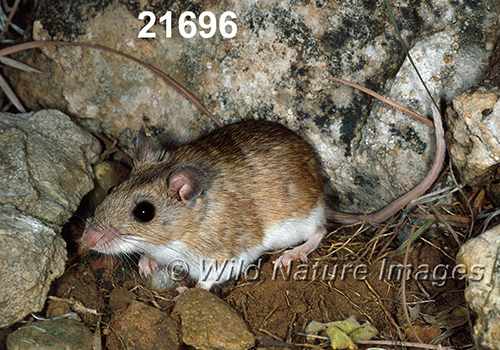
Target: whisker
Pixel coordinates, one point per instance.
(78, 216)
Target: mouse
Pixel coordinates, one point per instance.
(232, 195)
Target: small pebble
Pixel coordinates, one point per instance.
(208, 323)
(144, 327)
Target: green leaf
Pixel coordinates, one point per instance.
(339, 339)
(342, 333)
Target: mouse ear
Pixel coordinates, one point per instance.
(144, 152)
(187, 183)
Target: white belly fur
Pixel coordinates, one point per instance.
(290, 232)
(286, 233)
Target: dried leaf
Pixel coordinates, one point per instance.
(426, 333)
(414, 312)
(457, 317)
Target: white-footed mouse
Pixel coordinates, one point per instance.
(232, 195)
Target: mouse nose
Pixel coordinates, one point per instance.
(89, 238)
(100, 239)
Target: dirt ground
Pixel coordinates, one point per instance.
(343, 278)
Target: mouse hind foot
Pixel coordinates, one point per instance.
(302, 251)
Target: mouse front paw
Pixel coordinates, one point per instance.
(147, 265)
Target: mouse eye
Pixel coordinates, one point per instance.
(144, 212)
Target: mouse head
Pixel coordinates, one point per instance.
(185, 183)
(152, 206)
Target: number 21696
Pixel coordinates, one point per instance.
(207, 21)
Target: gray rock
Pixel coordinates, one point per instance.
(480, 257)
(275, 68)
(45, 170)
(473, 131)
(395, 151)
(62, 334)
(32, 255)
(208, 323)
(474, 148)
(45, 167)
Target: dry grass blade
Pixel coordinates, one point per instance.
(464, 197)
(489, 217)
(455, 220)
(402, 343)
(9, 19)
(18, 65)
(10, 62)
(11, 95)
(97, 344)
(448, 226)
(432, 197)
(403, 287)
(76, 306)
(386, 100)
(112, 146)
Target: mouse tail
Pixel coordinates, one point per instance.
(401, 202)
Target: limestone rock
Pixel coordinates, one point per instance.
(275, 68)
(473, 132)
(208, 323)
(480, 256)
(45, 167)
(45, 170)
(32, 255)
(396, 151)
